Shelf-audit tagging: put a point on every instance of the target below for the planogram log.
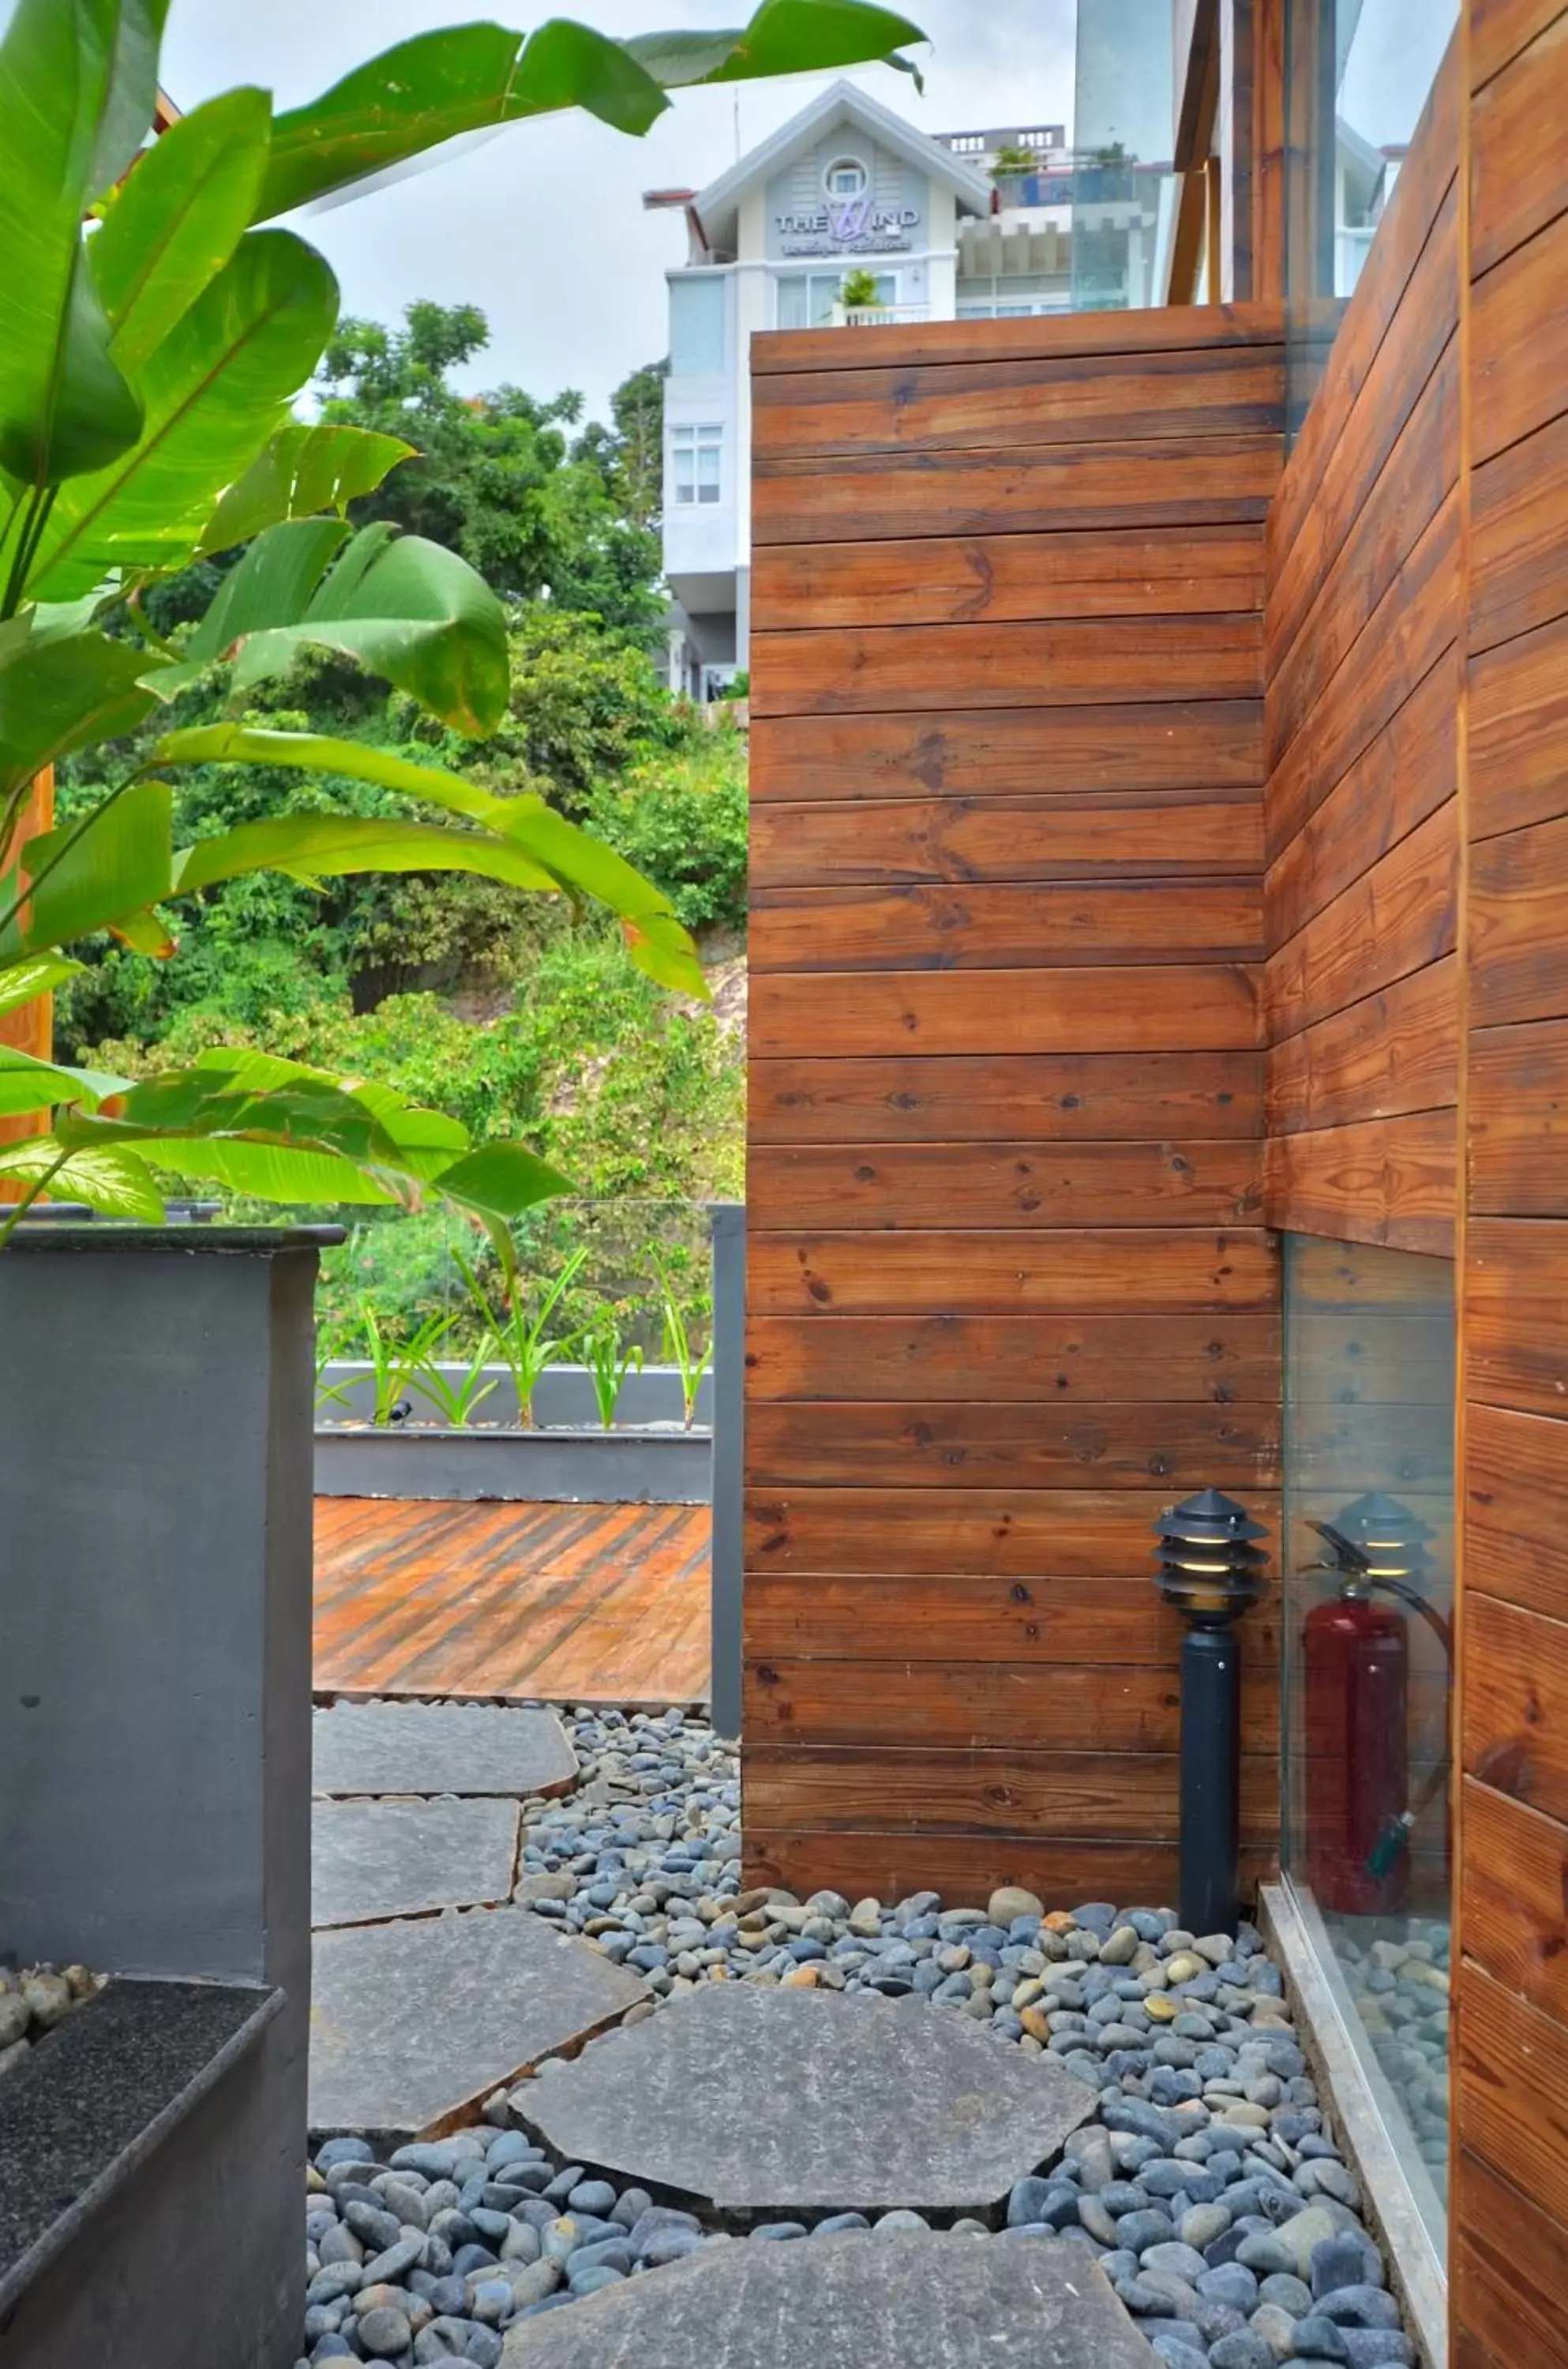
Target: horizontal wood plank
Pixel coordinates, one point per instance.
(1518, 948)
(1040, 336)
(1173, 481)
(1516, 1314)
(1385, 1180)
(977, 926)
(1508, 2273)
(1141, 834)
(1405, 774)
(992, 579)
(1397, 917)
(1380, 534)
(938, 1445)
(1518, 1120)
(978, 1098)
(965, 1869)
(1030, 1535)
(1415, 623)
(983, 1620)
(1519, 341)
(1519, 529)
(1519, 180)
(901, 1705)
(1500, 30)
(1071, 1794)
(1025, 1360)
(828, 1015)
(977, 752)
(1513, 1702)
(1170, 1271)
(1067, 663)
(925, 408)
(1031, 1185)
(1511, 2070)
(1515, 1506)
(1391, 1052)
(1518, 732)
(1514, 1896)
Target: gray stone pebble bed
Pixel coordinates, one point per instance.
(1207, 2186)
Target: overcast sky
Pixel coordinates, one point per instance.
(543, 224)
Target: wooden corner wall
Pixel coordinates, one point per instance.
(1363, 653)
(1010, 1292)
(1510, 2241)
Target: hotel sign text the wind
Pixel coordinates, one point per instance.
(851, 226)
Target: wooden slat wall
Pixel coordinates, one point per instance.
(1363, 654)
(1510, 2248)
(1010, 1290)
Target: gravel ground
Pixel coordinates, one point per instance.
(1207, 2186)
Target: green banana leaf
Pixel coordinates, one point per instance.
(468, 77)
(273, 585)
(31, 976)
(305, 469)
(28, 1084)
(406, 609)
(574, 862)
(61, 694)
(82, 877)
(783, 36)
(116, 1183)
(211, 393)
(176, 221)
(71, 72)
(324, 847)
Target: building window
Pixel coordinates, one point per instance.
(696, 327)
(696, 455)
(805, 299)
(968, 143)
(846, 176)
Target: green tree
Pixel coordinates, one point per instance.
(497, 478)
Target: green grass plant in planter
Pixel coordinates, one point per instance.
(525, 1345)
(610, 1359)
(680, 1349)
(156, 327)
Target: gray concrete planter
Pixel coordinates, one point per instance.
(154, 1787)
(649, 1459)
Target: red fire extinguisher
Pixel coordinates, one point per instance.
(1360, 1810)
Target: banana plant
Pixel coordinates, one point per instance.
(156, 328)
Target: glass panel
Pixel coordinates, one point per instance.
(1367, 1561)
(696, 327)
(1357, 75)
(1122, 132)
(707, 465)
(792, 302)
(683, 457)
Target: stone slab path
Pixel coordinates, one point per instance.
(376, 1860)
(778, 2103)
(915, 2301)
(414, 2021)
(414, 1747)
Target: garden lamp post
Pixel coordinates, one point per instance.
(1210, 1570)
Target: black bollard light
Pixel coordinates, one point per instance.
(1210, 1570)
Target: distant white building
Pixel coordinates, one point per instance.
(848, 185)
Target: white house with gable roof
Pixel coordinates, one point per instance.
(846, 185)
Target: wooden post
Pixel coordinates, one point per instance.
(31, 1030)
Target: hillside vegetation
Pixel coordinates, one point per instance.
(507, 1009)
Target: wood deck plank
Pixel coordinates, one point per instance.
(566, 1603)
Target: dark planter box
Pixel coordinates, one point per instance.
(156, 1404)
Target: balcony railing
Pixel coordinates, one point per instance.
(878, 316)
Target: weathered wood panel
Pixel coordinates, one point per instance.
(1508, 2274)
(1144, 835)
(954, 1098)
(993, 1184)
(1515, 1903)
(1388, 1180)
(1016, 1361)
(934, 1443)
(949, 1618)
(1393, 1052)
(1515, 1505)
(979, 752)
(1090, 1010)
(1047, 1272)
(960, 926)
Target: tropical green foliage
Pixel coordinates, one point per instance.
(147, 367)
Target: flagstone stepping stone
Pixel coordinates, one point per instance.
(412, 2022)
(762, 2100)
(401, 1858)
(919, 2300)
(415, 1747)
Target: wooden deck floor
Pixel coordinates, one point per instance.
(571, 1603)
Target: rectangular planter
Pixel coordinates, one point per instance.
(631, 1468)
